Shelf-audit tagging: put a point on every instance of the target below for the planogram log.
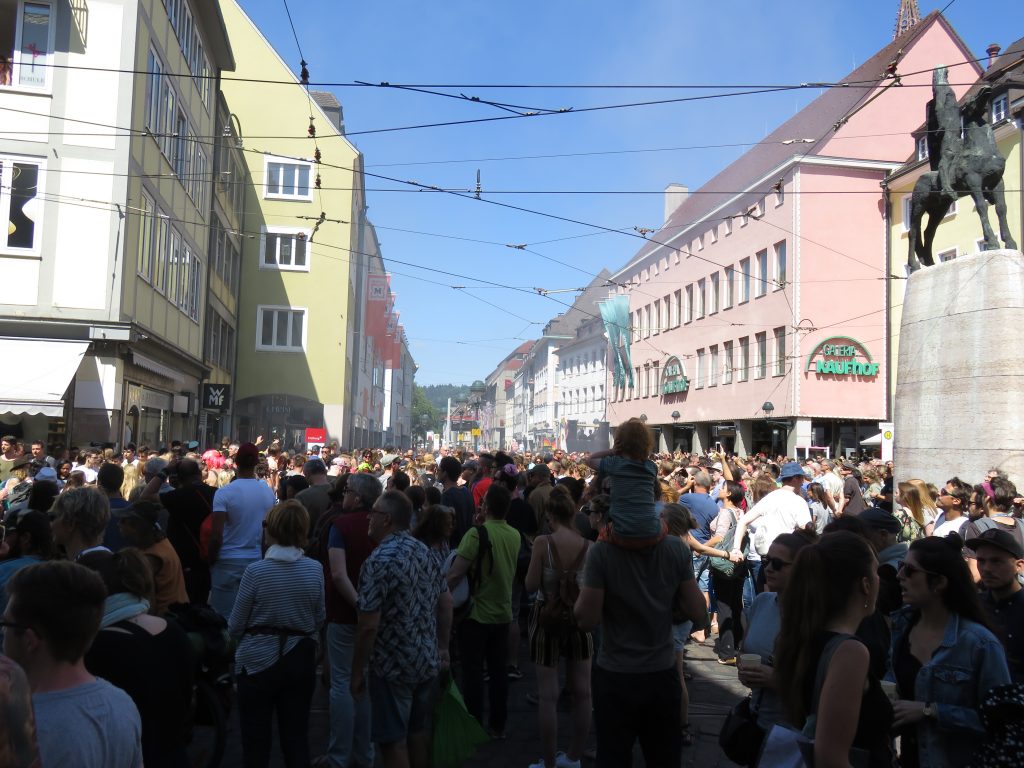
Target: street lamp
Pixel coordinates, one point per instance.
(643, 417)
(675, 415)
(476, 396)
(768, 408)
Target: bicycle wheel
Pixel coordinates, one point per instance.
(209, 728)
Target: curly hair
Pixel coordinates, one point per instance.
(634, 440)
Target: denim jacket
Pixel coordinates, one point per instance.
(968, 663)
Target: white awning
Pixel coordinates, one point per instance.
(151, 365)
(876, 440)
(38, 374)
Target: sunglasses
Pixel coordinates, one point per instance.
(776, 563)
(910, 570)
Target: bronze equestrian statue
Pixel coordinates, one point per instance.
(970, 165)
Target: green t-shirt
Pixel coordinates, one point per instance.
(492, 600)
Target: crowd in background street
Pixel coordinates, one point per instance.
(880, 622)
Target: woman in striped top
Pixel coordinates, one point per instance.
(278, 615)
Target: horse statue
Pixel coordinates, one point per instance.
(970, 165)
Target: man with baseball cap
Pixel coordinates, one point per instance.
(237, 529)
(1000, 560)
(781, 511)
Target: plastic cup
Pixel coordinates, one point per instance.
(889, 689)
(749, 659)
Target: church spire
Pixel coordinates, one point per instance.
(907, 16)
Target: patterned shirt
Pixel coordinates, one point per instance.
(402, 581)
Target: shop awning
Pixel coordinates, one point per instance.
(876, 440)
(38, 372)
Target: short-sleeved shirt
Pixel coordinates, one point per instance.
(402, 581)
(781, 511)
(704, 511)
(492, 599)
(976, 527)
(639, 591)
(762, 628)
(460, 499)
(851, 489)
(634, 490)
(93, 725)
(246, 502)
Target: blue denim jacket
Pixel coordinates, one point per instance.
(968, 663)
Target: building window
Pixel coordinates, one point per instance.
(220, 341)
(727, 363)
(744, 281)
(280, 329)
(780, 194)
(689, 303)
(761, 339)
(187, 32)
(715, 292)
(947, 255)
(744, 372)
(922, 148)
(728, 226)
(905, 207)
(730, 287)
(26, 44)
(713, 370)
(780, 351)
(701, 297)
(21, 205)
(666, 313)
(171, 266)
(286, 249)
(146, 227)
(714, 234)
(780, 265)
(657, 317)
(762, 273)
(700, 368)
(154, 81)
(647, 321)
(287, 180)
(1000, 108)
(677, 308)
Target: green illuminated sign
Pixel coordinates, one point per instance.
(842, 356)
(673, 380)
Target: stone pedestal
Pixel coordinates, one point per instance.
(960, 386)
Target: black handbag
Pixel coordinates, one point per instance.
(741, 737)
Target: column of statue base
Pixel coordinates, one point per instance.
(959, 407)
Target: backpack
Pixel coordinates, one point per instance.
(911, 530)
(462, 593)
(556, 612)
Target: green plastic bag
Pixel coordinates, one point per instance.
(456, 732)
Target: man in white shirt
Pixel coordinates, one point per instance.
(954, 500)
(831, 482)
(237, 529)
(781, 511)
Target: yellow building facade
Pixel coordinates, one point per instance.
(299, 252)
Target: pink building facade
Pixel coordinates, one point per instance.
(759, 312)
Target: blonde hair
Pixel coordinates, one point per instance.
(288, 523)
(913, 500)
(132, 480)
(927, 502)
(224, 477)
(669, 493)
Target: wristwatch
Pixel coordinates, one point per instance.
(929, 710)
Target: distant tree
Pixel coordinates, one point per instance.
(438, 394)
(425, 415)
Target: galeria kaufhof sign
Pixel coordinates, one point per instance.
(842, 357)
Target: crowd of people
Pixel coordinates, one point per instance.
(880, 623)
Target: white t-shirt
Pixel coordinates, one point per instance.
(831, 483)
(944, 527)
(781, 511)
(246, 502)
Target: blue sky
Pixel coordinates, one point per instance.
(457, 338)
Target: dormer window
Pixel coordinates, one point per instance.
(1000, 108)
(922, 148)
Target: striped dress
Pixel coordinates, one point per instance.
(284, 589)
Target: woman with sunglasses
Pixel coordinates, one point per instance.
(762, 627)
(943, 657)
